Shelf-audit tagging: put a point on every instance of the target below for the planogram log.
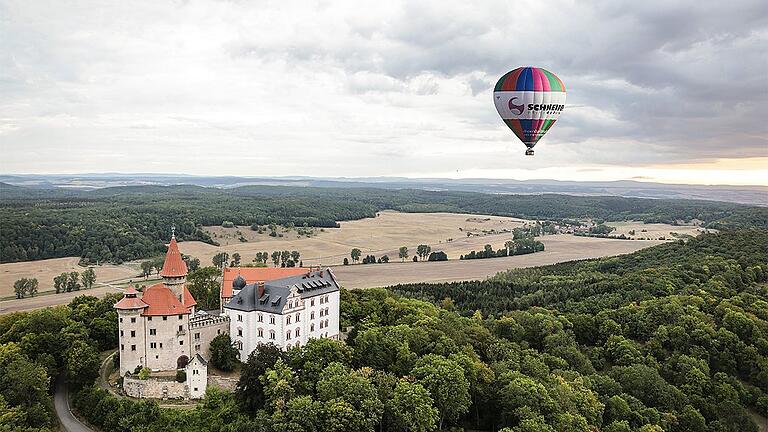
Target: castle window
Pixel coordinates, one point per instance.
(122, 347)
(290, 305)
(311, 327)
(133, 320)
(240, 345)
(197, 347)
(298, 317)
(181, 316)
(133, 333)
(239, 317)
(195, 388)
(165, 318)
(298, 332)
(321, 324)
(153, 344)
(261, 318)
(197, 336)
(133, 347)
(271, 319)
(321, 300)
(121, 332)
(261, 332)
(152, 332)
(312, 302)
(288, 319)
(161, 344)
(288, 334)
(272, 334)
(312, 315)
(326, 323)
(121, 320)
(181, 328)
(149, 318)
(181, 342)
(239, 332)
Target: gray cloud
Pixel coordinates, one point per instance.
(649, 83)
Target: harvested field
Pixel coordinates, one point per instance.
(378, 236)
(559, 248)
(46, 270)
(653, 231)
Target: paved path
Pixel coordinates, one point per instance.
(69, 423)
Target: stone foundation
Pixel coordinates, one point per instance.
(222, 382)
(155, 388)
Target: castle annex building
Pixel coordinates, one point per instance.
(160, 329)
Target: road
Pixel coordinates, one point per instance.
(69, 422)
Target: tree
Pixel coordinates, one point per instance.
(157, 264)
(384, 259)
(204, 287)
(82, 364)
(235, 260)
(339, 383)
(192, 263)
(249, 391)
(60, 282)
(346, 261)
(295, 255)
(438, 256)
(355, 254)
(510, 246)
(73, 282)
(223, 353)
(284, 257)
(412, 409)
(88, 278)
(32, 286)
(403, 253)
(445, 381)
(220, 259)
(415, 258)
(423, 250)
(276, 258)
(146, 268)
(20, 288)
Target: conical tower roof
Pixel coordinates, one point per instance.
(174, 265)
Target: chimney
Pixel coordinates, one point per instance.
(261, 289)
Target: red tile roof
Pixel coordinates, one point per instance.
(174, 265)
(162, 301)
(189, 301)
(256, 274)
(129, 301)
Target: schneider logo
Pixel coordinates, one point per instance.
(544, 107)
(515, 107)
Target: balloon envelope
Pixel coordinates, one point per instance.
(529, 100)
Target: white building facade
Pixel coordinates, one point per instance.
(286, 312)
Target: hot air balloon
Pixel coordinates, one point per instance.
(529, 100)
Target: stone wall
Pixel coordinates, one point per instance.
(155, 388)
(222, 382)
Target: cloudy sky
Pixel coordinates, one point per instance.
(673, 91)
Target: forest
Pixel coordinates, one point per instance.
(125, 223)
(670, 338)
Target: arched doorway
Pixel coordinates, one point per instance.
(182, 362)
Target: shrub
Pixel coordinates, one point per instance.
(181, 376)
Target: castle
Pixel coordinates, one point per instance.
(160, 329)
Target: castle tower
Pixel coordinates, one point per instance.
(174, 270)
(132, 333)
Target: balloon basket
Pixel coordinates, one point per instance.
(529, 152)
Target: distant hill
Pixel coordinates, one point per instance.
(753, 195)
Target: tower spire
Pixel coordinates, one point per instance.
(173, 231)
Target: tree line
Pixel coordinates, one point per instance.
(521, 246)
